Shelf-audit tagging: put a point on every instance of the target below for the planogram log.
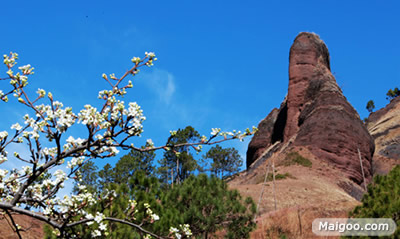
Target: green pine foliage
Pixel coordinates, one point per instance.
(176, 167)
(391, 94)
(89, 174)
(225, 162)
(382, 199)
(132, 162)
(270, 177)
(370, 106)
(293, 158)
(116, 204)
(203, 202)
(124, 169)
(207, 205)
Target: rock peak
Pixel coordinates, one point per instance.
(308, 48)
(316, 115)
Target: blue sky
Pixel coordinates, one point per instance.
(221, 63)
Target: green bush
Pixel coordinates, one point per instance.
(391, 94)
(260, 178)
(382, 200)
(293, 158)
(208, 206)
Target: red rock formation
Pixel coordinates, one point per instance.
(384, 127)
(315, 114)
(263, 137)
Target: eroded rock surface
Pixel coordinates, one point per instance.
(384, 126)
(315, 114)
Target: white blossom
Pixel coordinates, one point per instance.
(99, 217)
(3, 158)
(27, 69)
(46, 211)
(16, 126)
(3, 135)
(215, 131)
(89, 216)
(96, 233)
(3, 173)
(102, 227)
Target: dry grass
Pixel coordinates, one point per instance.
(314, 193)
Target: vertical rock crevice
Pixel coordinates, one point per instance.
(279, 126)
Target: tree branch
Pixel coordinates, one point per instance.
(7, 206)
(14, 224)
(116, 220)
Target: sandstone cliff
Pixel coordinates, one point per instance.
(316, 115)
(384, 126)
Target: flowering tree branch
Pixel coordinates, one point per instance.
(108, 129)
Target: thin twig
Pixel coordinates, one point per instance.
(14, 224)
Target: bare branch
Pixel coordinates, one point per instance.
(14, 224)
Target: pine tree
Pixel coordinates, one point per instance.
(89, 176)
(208, 206)
(225, 162)
(391, 94)
(105, 176)
(382, 199)
(132, 162)
(205, 203)
(370, 106)
(116, 202)
(179, 163)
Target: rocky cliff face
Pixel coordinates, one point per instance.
(315, 115)
(384, 126)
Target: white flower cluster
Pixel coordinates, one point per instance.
(90, 116)
(27, 69)
(73, 203)
(114, 112)
(49, 152)
(3, 157)
(234, 134)
(61, 176)
(75, 162)
(16, 126)
(183, 229)
(98, 219)
(9, 60)
(49, 115)
(3, 135)
(152, 57)
(72, 142)
(215, 131)
(150, 213)
(132, 205)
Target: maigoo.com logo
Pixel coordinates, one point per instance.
(354, 226)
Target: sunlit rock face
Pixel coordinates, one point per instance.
(315, 114)
(384, 126)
